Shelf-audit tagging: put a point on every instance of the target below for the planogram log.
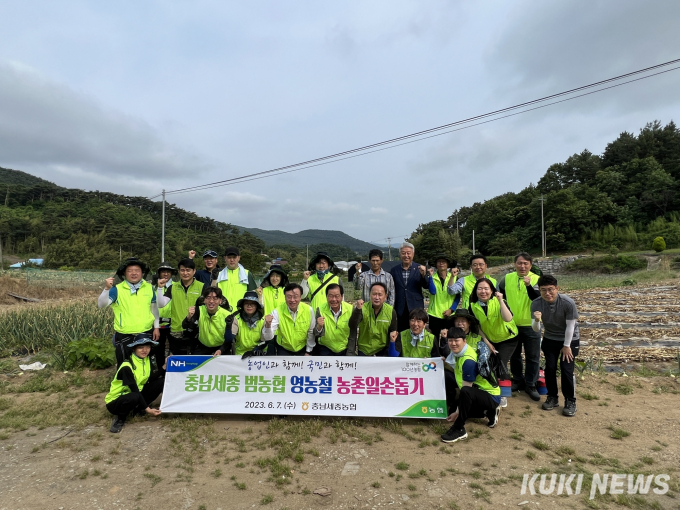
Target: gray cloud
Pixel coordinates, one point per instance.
(49, 125)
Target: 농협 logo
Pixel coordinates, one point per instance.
(429, 366)
(305, 406)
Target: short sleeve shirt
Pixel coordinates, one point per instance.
(555, 316)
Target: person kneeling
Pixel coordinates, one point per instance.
(135, 386)
(478, 398)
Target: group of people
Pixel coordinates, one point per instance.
(219, 311)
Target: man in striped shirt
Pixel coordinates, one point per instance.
(365, 280)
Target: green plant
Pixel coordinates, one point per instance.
(155, 479)
(540, 445)
(658, 245)
(618, 433)
(401, 466)
(91, 352)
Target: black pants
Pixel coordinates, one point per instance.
(137, 402)
(203, 350)
(451, 386)
(325, 351)
(474, 403)
(280, 351)
(120, 341)
(505, 350)
(403, 321)
(552, 350)
(158, 352)
(383, 353)
(530, 340)
(180, 344)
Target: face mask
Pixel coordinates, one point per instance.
(459, 354)
(321, 274)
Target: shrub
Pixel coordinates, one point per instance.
(607, 264)
(92, 352)
(658, 245)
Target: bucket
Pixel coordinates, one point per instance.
(506, 388)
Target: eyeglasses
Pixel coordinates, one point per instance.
(478, 265)
(547, 290)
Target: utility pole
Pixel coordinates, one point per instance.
(456, 222)
(2, 265)
(542, 228)
(473, 242)
(120, 256)
(163, 232)
(389, 249)
(307, 262)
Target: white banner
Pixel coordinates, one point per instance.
(303, 385)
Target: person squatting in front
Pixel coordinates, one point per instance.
(207, 323)
(136, 384)
(377, 323)
(332, 323)
(561, 341)
(248, 328)
(134, 305)
(477, 397)
(417, 341)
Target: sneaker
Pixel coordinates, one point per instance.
(454, 435)
(504, 401)
(517, 386)
(117, 425)
(550, 403)
(569, 408)
(531, 391)
(493, 421)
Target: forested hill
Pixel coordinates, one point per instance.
(72, 227)
(310, 237)
(620, 199)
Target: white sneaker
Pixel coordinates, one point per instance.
(504, 401)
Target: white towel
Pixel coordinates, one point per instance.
(242, 275)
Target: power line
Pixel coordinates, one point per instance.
(363, 150)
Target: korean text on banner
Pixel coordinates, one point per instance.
(318, 386)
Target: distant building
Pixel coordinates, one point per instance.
(19, 265)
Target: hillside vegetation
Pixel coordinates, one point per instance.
(621, 199)
(77, 228)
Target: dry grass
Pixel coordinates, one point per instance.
(20, 287)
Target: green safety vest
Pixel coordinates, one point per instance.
(141, 370)
(165, 312)
(292, 335)
(373, 331)
(423, 348)
(336, 335)
(518, 299)
(232, 289)
(480, 382)
(469, 284)
(132, 312)
(182, 301)
(492, 324)
(442, 300)
(247, 338)
(472, 340)
(314, 283)
(272, 298)
(211, 327)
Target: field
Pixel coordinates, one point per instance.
(57, 451)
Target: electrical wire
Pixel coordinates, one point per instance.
(419, 135)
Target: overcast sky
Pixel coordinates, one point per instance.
(132, 97)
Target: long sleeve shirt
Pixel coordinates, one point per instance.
(364, 281)
(107, 298)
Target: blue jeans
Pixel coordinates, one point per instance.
(531, 341)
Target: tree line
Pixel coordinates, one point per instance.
(621, 199)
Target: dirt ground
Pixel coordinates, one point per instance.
(57, 453)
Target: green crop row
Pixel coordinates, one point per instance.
(35, 329)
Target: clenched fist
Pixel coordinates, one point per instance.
(192, 310)
(192, 254)
(393, 336)
(268, 321)
(306, 275)
(537, 316)
(108, 283)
